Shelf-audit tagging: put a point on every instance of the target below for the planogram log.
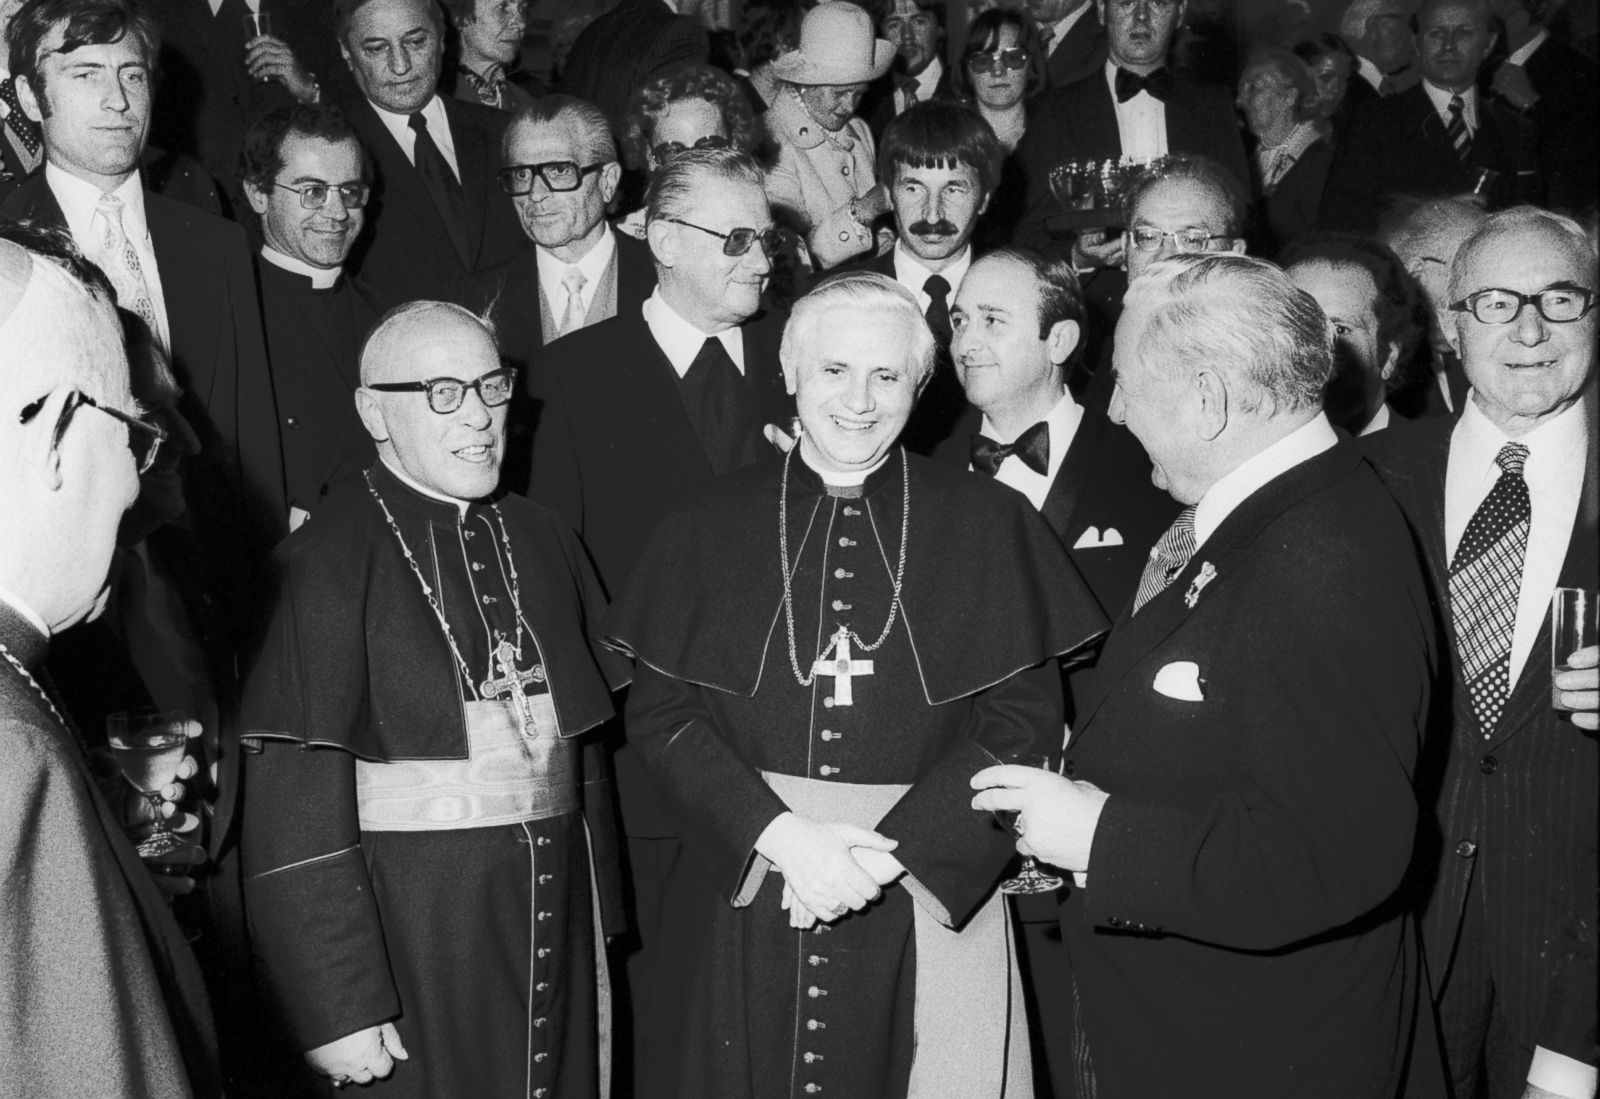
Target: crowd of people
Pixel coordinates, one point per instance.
(453, 520)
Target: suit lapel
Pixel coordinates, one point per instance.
(1068, 490)
(189, 283)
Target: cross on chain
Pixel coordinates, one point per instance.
(841, 667)
(511, 682)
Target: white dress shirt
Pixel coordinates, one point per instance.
(1062, 425)
(1380, 420)
(16, 603)
(322, 278)
(681, 341)
(1141, 122)
(1063, 27)
(438, 128)
(1440, 98)
(1554, 472)
(78, 200)
(1367, 71)
(592, 265)
(927, 81)
(1221, 499)
(910, 273)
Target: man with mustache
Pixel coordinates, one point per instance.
(415, 842)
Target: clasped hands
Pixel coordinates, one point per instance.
(829, 868)
(1056, 817)
(361, 1057)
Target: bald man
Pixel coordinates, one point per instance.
(421, 843)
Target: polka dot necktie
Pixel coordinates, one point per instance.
(1485, 581)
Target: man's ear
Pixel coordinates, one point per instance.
(1062, 340)
(256, 197)
(27, 99)
(789, 373)
(344, 52)
(1213, 393)
(663, 241)
(39, 448)
(371, 413)
(1391, 363)
(610, 178)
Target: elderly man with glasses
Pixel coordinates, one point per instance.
(425, 826)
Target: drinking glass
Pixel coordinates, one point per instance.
(256, 23)
(1030, 878)
(1572, 627)
(149, 745)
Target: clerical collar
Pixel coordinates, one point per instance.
(24, 610)
(322, 278)
(835, 479)
(680, 341)
(424, 490)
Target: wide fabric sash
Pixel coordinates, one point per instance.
(507, 778)
(971, 1022)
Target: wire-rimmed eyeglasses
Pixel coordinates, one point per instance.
(314, 195)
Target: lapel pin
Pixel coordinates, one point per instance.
(1207, 573)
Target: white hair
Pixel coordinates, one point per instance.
(862, 291)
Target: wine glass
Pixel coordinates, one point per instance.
(1029, 879)
(149, 745)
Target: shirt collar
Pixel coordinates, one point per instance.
(78, 199)
(1554, 447)
(1380, 420)
(842, 480)
(1440, 98)
(911, 273)
(400, 124)
(681, 341)
(928, 79)
(322, 278)
(1367, 71)
(593, 262)
(1221, 499)
(1062, 420)
(22, 607)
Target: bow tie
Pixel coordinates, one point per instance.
(1158, 84)
(1032, 446)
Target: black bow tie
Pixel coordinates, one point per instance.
(1158, 84)
(1032, 446)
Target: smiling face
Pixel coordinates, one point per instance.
(566, 222)
(95, 112)
(1138, 32)
(701, 281)
(394, 49)
(322, 237)
(854, 386)
(936, 209)
(1000, 91)
(494, 34)
(831, 105)
(1452, 40)
(1000, 357)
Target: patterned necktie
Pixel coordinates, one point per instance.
(938, 290)
(1456, 128)
(1485, 582)
(1032, 448)
(1167, 558)
(572, 316)
(26, 129)
(120, 262)
(442, 186)
(1047, 35)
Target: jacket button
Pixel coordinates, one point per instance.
(1488, 765)
(1069, 768)
(293, 421)
(844, 235)
(1115, 921)
(1466, 849)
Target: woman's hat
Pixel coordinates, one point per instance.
(836, 47)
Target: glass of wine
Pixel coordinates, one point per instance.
(149, 745)
(1030, 878)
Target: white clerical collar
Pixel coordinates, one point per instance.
(322, 278)
(1303, 443)
(1528, 48)
(591, 265)
(21, 606)
(835, 479)
(422, 489)
(78, 199)
(680, 341)
(1380, 420)
(913, 274)
(1064, 25)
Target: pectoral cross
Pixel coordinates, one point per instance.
(511, 682)
(841, 667)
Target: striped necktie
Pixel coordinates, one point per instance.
(1485, 582)
(1456, 128)
(1167, 558)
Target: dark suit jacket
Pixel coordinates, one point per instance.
(627, 46)
(1517, 805)
(407, 253)
(1240, 912)
(877, 106)
(1081, 52)
(1293, 209)
(1566, 123)
(1079, 122)
(1398, 147)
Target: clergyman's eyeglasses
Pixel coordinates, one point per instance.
(314, 195)
(445, 395)
(736, 242)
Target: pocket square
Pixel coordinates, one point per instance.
(1091, 538)
(1180, 680)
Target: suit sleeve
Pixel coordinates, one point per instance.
(556, 478)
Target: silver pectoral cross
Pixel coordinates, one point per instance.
(841, 667)
(511, 682)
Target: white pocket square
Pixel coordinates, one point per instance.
(1180, 680)
(1091, 538)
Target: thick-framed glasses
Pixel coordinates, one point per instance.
(144, 438)
(1558, 304)
(558, 175)
(1184, 240)
(445, 395)
(736, 242)
(993, 64)
(665, 151)
(314, 195)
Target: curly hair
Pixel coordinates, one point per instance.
(651, 100)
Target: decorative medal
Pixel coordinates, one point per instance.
(1207, 573)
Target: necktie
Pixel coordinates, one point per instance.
(1485, 582)
(1032, 447)
(573, 315)
(1167, 558)
(1385, 87)
(120, 262)
(712, 390)
(907, 87)
(938, 314)
(1047, 35)
(26, 129)
(1456, 128)
(1130, 84)
(443, 187)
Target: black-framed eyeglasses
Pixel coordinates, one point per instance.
(558, 175)
(314, 195)
(445, 395)
(736, 242)
(144, 438)
(665, 151)
(1556, 304)
(993, 64)
(1146, 239)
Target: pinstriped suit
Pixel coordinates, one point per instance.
(1509, 878)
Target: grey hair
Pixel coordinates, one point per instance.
(1353, 24)
(672, 192)
(1516, 219)
(410, 313)
(1412, 224)
(1201, 171)
(1242, 317)
(863, 291)
(596, 145)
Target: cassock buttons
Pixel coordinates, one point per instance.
(812, 1057)
(851, 512)
(846, 543)
(816, 1024)
(489, 599)
(841, 605)
(542, 841)
(542, 986)
(813, 1089)
(293, 421)
(843, 574)
(827, 702)
(826, 770)
(477, 566)
(545, 878)
(814, 992)
(540, 1058)
(544, 951)
(542, 916)
(828, 734)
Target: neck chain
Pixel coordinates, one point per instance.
(788, 592)
(427, 589)
(38, 689)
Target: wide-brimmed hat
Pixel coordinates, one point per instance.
(836, 47)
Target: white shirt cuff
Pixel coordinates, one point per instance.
(1558, 1073)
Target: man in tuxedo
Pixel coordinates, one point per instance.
(1073, 38)
(1378, 32)
(637, 412)
(1133, 107)
(306, 178)
(438, 216)
(1236, 802)
(1441, 137)
(628, 45)
(181, 275)
(919, 75)
(1503, 502)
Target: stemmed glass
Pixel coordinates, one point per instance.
(150, 745)
(1030, 878)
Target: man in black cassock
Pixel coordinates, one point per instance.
(423, 826)
(812, 740)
